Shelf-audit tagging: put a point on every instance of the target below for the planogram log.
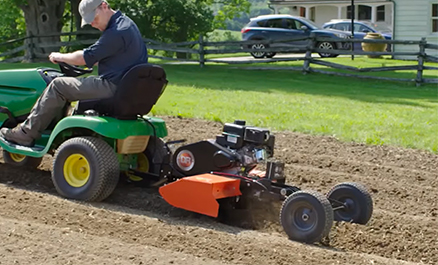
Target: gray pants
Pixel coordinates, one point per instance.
(58, 93)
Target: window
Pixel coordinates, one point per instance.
(343, 26)
(435, 18)
(381, 13)
(364, 12)
(294, 24)
(274, 23)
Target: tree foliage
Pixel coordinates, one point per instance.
(179, 20)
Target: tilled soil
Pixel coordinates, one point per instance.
(135, 225)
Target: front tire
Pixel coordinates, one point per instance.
(86, 169)
(306, 216)
(356, 200)
(325, 45)
(17, 160)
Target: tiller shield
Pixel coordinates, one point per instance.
(199, 193)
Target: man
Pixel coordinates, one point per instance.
(119, 48)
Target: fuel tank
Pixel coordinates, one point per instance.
(20, 88)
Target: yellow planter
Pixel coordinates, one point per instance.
(373, 47)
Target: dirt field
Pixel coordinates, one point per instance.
(135, 226)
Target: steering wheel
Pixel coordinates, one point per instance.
(73, 71)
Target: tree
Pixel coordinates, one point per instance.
(42, 17)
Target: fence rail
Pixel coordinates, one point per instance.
(33, 49)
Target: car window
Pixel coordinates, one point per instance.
(274, 23)
(293, 24)
(261, 23)
(361, 28)
(343, 26)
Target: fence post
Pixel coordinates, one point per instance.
(308, 57)
(201, 51)
(30, 48)
(421, 57)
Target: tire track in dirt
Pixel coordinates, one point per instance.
(219, 243)
(403, 183)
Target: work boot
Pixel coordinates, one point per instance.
(17, 136)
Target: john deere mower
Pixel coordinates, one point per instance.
(100, 140)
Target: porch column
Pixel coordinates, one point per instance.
(308, 12)
(339, 12)
(373, 14)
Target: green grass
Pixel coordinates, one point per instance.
(351, 109)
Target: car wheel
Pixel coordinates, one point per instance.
(259, 47)
(325, 45)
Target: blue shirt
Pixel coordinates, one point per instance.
(119, 48)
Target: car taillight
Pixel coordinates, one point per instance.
(244, 30)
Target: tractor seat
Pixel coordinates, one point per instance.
(138, 91)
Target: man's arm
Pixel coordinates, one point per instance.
(74, 58)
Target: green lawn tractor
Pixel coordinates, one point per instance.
(100, 140)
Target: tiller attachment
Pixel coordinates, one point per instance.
(199, 193)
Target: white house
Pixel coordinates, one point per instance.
(409, 19)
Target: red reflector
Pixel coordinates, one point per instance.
(244, 30)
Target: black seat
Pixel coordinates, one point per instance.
(138, 91)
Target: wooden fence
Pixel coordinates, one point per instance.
(199, 51)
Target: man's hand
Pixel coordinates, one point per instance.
(56, 57)
(74, 58)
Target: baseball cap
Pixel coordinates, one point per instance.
(87, 9)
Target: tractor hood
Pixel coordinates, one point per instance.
(20, 88)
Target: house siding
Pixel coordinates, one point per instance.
(413, 21)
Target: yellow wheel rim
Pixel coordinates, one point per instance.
(76, 170)
(17, 158)
(142, 166)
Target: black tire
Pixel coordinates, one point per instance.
(17, 160)
(261, 47)
(150, 161)
(356, 198)
(306, 216)
(270, 54)
(86, 169)
(326, 46)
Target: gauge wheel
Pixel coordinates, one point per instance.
(306, 216)
(325, 45)
(18, 160)
(86, 169)
(354, 202)
(149, 162)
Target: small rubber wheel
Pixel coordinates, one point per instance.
(18, 160)
(357, 202)
(306, 216)
(86, 169)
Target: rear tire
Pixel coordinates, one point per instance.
(259, 46)
(150, 161)
(86, 169)
(357, 199)
(306, 216)
(17, 160)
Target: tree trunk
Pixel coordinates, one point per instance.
(42, 17)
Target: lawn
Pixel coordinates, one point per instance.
(366, 111)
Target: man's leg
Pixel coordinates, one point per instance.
(60, 91)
